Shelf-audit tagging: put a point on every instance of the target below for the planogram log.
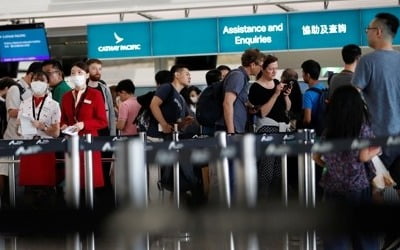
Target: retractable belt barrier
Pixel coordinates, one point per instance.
(202, 149)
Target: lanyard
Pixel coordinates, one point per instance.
(77, 108)
(40, 108)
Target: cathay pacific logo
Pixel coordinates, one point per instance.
(119, 46)
(118, 39)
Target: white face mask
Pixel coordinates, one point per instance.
(39, 87)
(194, 99)
(78, 80)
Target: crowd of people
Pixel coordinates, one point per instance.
(363, 102)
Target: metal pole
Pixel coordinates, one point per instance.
(284, 180)
(223, 171)
(12, 182)
(143, 138)
(250, 169)
(89, 175)
(72, 176)
(90, 243)
(73, 242)
(312, 188)
(136, 173)
(312, 172)
(175, 138)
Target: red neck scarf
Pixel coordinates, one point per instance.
(37, 100)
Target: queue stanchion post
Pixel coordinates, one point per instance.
(301, 172)
(131, 181)
(175, 138)
(89, 175)
(284, 170)
(249, 169)
(72, 175)
(312, 177)
(312, 236)
(223, 171)
(12, 182)
(143, 138)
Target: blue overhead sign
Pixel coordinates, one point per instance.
(368, 14)
(185, 37)
(324, 29)
(205, 36)
(265, 32)
(120, 40)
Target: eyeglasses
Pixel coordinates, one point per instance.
(52, 72)
(370, 28)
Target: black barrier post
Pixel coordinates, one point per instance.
(175, 138)
(72, 175)
(223, 171)
(249, 169)
(131, 181)
(89, 175)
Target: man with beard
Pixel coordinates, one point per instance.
(95, 68)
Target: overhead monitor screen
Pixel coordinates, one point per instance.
(25, 42)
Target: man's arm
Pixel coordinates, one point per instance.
(307, 118)
(229, 100)
(156, 111)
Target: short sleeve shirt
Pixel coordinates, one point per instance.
(258, 96)
(345, 171)
(237, 82)
(378, 76)
(173, 108)
(310, 99)
(127, 111)
(13, 101)
(49, 114)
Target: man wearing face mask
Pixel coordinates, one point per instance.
(95, 69)
(82, 108)
(15, 94)
(38, 172)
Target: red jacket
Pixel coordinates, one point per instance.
(91, 111)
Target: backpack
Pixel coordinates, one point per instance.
(318, 119)
(209, 106)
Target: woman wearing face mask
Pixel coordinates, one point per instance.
(191, 96)
(38, 172)
(83, 109)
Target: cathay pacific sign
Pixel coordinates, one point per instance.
(121, 40)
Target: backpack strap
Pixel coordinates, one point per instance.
(21, 89)
(314, 89)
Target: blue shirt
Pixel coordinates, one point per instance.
(378, 76)
(237, 82)
(310, 99)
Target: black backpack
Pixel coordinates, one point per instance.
(209, 107)
(319, 118)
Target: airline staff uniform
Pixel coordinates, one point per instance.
(86, 106)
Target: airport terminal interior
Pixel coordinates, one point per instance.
(139, 215)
